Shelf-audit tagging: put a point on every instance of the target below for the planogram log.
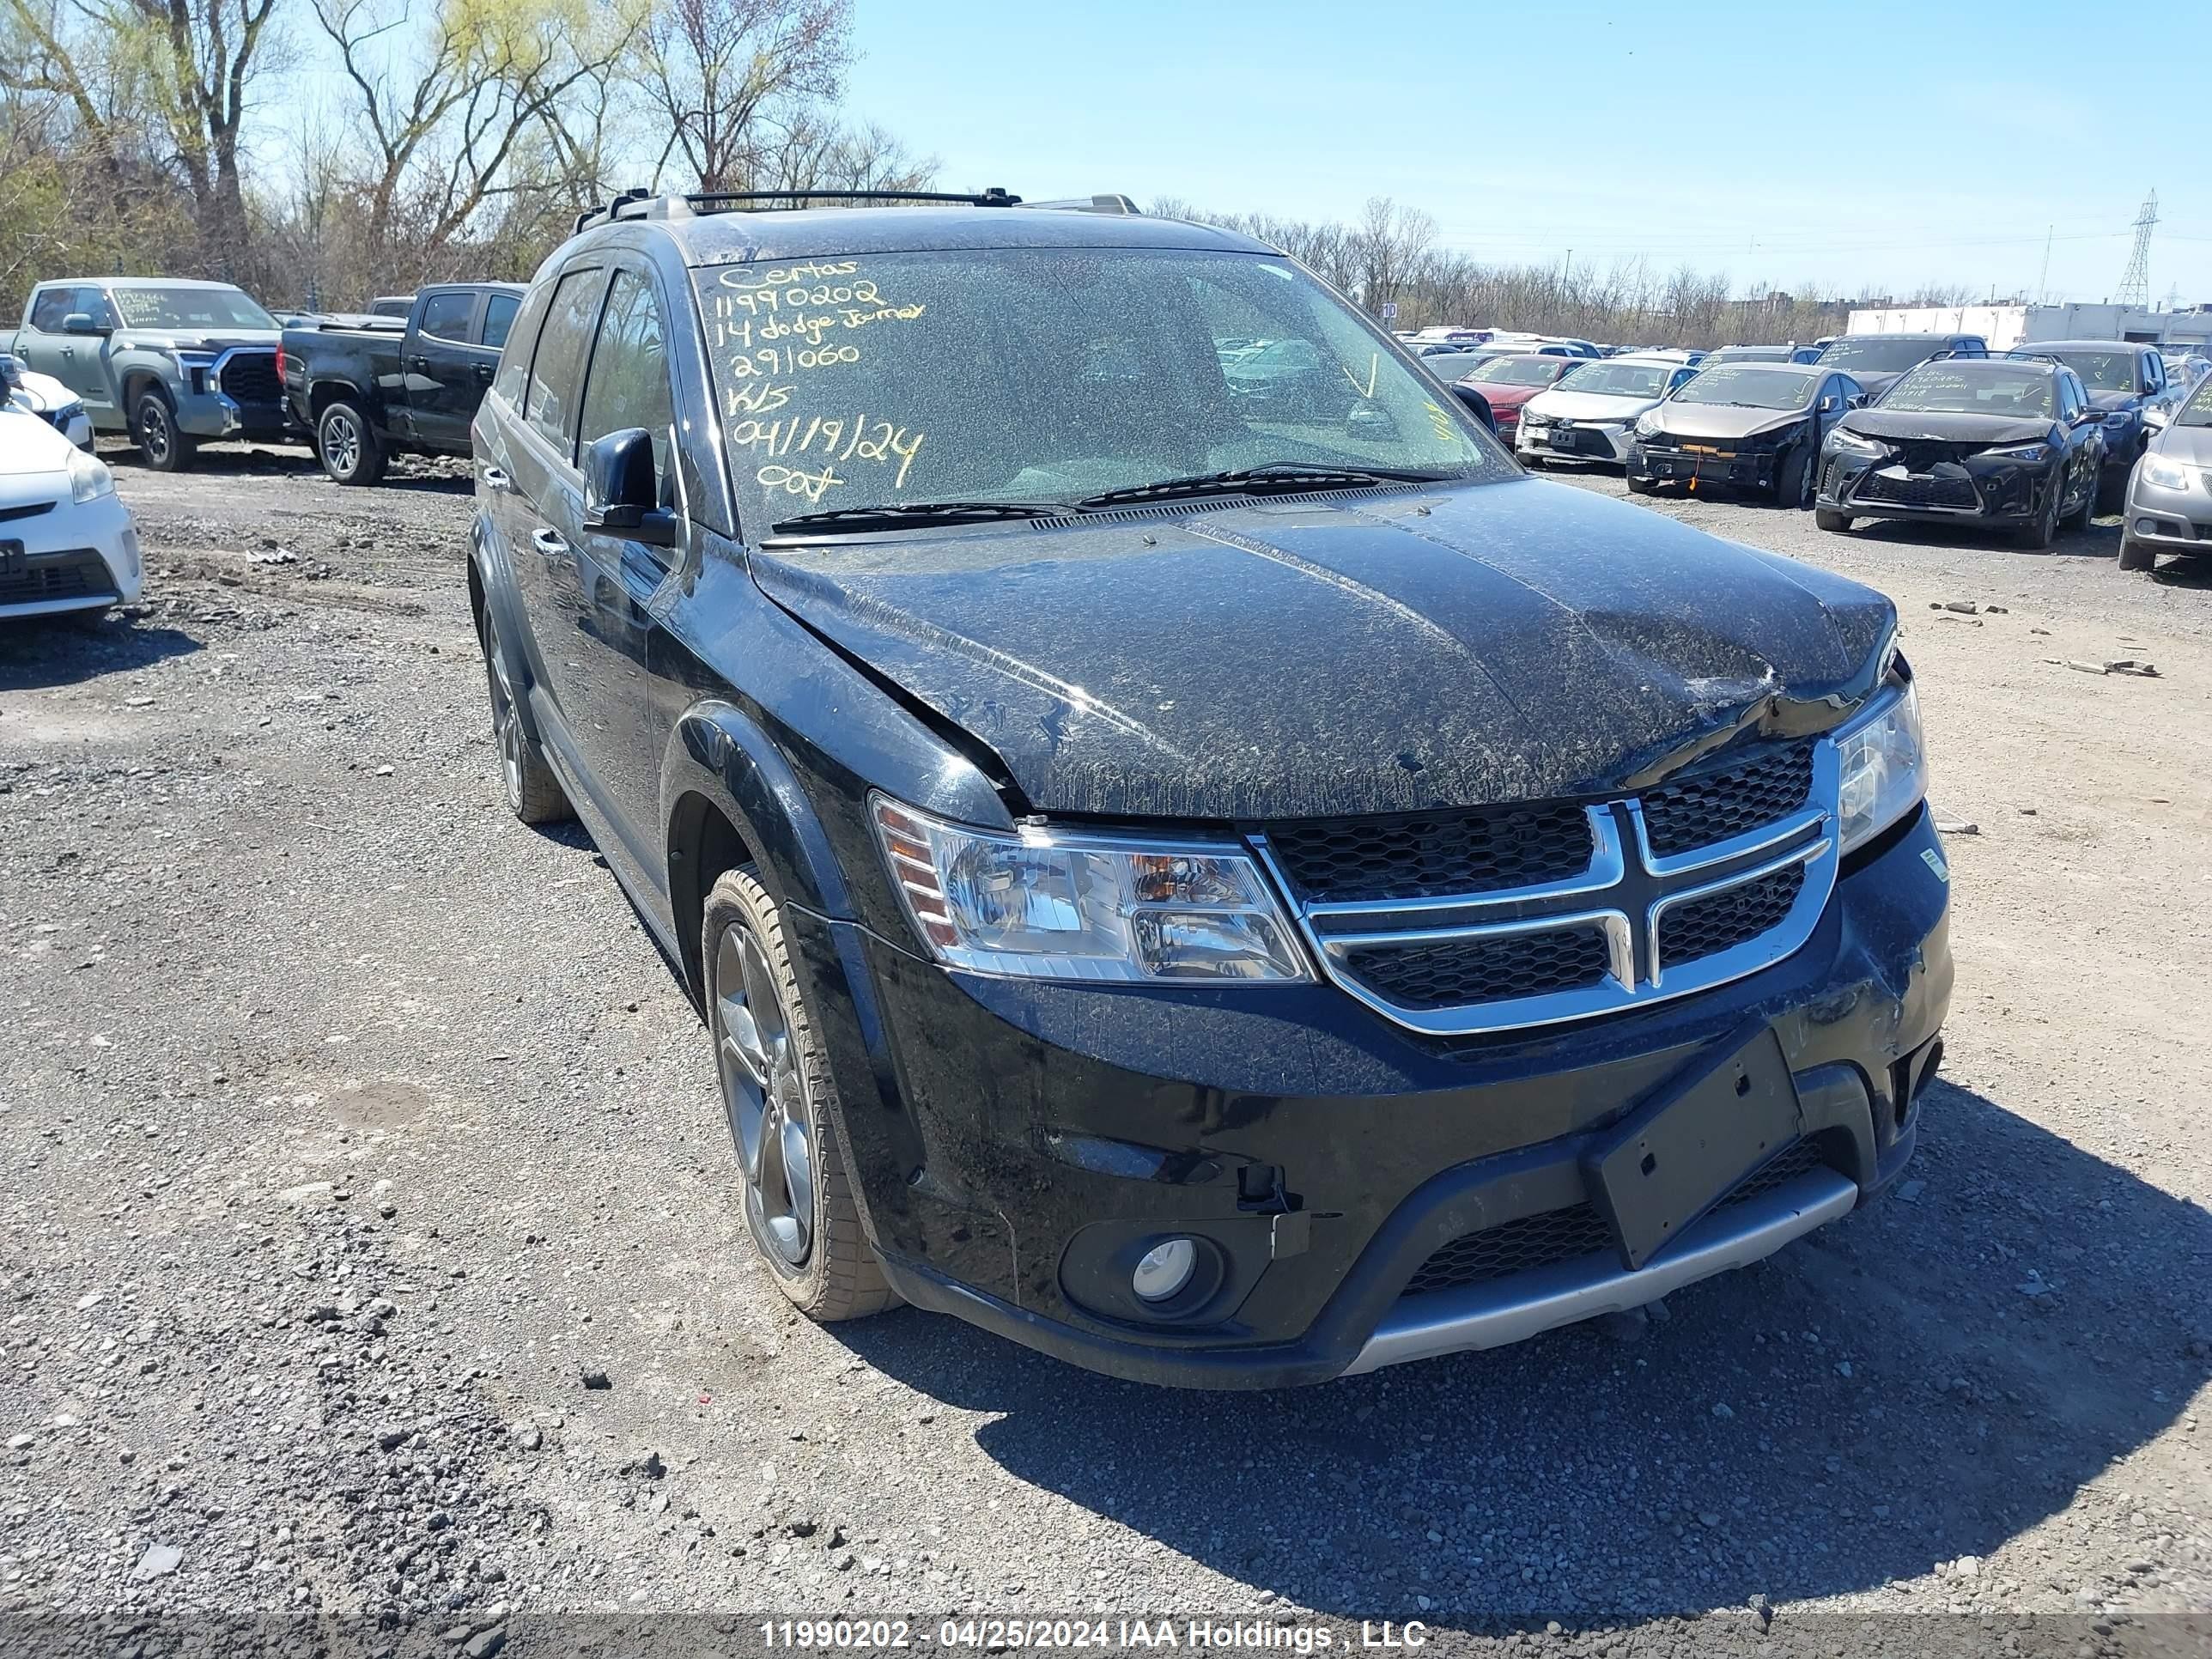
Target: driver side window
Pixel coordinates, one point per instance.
(629, 384)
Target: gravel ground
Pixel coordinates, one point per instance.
(368, 1250)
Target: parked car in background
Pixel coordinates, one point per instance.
(371, 391)
(1509, 382)
(2184, 367)
(1079, 960)
(46, 397)
(1876, 361)
(170, 362)
(2123, 381)
(392, 305)
(1750, 354)
(2168, 505)
(1591, 414)
(67, 546)
(2008, 444)
(1753, 425)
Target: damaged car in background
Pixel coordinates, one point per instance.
(1591, 414)
(2168, 508)
(1751, 425)
(2003, 443)
(1227, 888)
(2127, 385)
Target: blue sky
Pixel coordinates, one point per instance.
(1868, 144)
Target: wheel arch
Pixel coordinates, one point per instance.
(728, 797)
(322, 393)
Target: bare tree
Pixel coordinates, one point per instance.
(714, 73)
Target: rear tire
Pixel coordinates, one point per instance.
(533, 793)
(1828, 519)
(347, 447)
(793, 1182)
(2111, 489)
(2135, 554)
(153, 429)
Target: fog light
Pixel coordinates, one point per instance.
(1165, 1269)
(2146, 526)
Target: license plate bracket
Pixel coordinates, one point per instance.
(1683, 1151)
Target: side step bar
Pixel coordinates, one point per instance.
(1490, 1315)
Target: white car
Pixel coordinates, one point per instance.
(66, 542)
(1590, 415)
(49, 399)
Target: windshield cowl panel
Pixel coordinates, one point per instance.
(1050, 376)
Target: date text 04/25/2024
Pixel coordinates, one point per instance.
(1003, 1635)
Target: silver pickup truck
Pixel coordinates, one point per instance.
(169, 362)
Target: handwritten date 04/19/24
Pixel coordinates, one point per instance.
(835, 439)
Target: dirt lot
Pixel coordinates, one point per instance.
(346, 1123)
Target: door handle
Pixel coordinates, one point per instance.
(551, 543)
(483, 371)
(68, 351)
(422, 363)
(496, 479)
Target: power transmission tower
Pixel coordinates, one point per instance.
(2135, 287)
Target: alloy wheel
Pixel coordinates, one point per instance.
(154, 432)
(506, 721)
(341, 444)
(766, 1096)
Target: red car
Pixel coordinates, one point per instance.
(1509, 382)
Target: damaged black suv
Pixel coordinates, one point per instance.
(1213, 873)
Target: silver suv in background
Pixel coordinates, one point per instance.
(169, 362)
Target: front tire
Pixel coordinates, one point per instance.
(347, 447)
(2082, 516)
(2137, 556)
(153, 428)
(793, 1182)
(1792, 485)
(533, 793)
(2044, 531)
(1826, 518)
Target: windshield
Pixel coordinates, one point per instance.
(1751, 384)
(1046, 375)
(1520, 371)
(2100, 371)
(2020, 391)
(1880, 355)
(1619, 379)
(2198, 411)
(189, 308)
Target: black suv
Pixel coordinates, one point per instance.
(2123, 380)
(1229, 884)
(1877, 361)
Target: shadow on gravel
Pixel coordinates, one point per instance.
(2100, 541)
(2192, 573)
(38, 652)
(1919, 1382)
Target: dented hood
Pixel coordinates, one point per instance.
(1722, 420)
(1374, 654)
(1932, 426)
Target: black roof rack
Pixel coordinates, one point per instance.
(644, 205)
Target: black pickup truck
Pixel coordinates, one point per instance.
(371, 389)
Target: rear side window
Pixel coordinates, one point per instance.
(558, 366)
(499, 318)
(446, 316)
(48, 308)
(629, 386)
(514, 358)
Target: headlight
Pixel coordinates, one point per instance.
(1534, 417)
(2020, 453)
(90, 478)
(2166, 475)
(1647, 424)
(2120, 417)
(67, 412)
(1085, 907)
(1884, 768)
(1843, 437)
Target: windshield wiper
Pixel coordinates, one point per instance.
(903, 515)
(1275, 475)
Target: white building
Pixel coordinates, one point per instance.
(2008, 325)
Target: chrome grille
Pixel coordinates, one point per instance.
(1715, 805)
(1483, 969)
(1415, 854)
(1455, 923)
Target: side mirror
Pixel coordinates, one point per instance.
(1829, 404)
(2158, 415)
(2088, 417)
(621, 496)
(80, 322)
(1856, 400)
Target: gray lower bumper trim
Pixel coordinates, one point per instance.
(1509, 1309)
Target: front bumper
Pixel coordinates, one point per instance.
(1976, 490)
(72, 558)
(1585, 440)
(1693, 463)
(2177, 518)
(1015, 1144)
